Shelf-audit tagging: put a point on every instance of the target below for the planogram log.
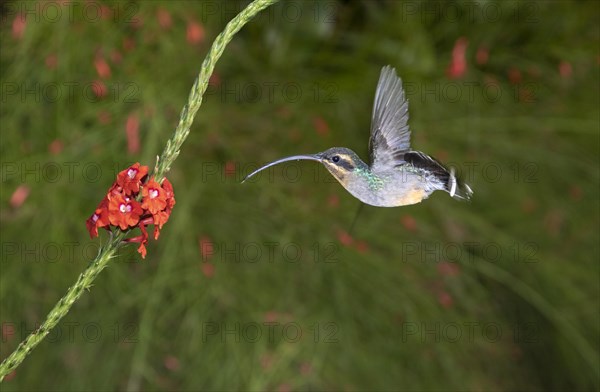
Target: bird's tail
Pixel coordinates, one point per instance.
(446, 177)
(457, 188)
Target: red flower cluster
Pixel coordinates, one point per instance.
(123, 206)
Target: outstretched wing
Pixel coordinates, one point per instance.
(390, 136)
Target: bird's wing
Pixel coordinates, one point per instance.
(390, 135)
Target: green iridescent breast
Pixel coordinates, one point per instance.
(375, 182)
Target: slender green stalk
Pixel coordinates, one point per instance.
(186, 117)
(85, 280)
(163, 165)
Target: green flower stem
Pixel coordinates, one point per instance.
(85, 280)
(163, 165)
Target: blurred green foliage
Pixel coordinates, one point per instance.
(260, 286)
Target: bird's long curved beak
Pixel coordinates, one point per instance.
(311, 157)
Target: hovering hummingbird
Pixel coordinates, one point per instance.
(397, 176)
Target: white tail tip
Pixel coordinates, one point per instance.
(452, 182)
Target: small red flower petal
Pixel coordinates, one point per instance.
(161, 218)
(99, 218)
(123, 211)
(91, 225)
(130, 179)
(154, 197)
(156, 232)
(166, 185)
(142, 248)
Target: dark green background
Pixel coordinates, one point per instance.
(497, 294)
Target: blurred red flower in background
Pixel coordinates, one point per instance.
(19, 196)
(458, 64)
(321, 126)
(18, 26)
(102, 67)
(99, 88)
(482, 55)
(195, 33)
(164, 18)
(132, 127)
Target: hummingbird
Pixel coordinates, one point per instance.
(396, 175)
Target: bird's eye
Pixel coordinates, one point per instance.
(335, 159)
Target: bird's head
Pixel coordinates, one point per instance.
(340, 162)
